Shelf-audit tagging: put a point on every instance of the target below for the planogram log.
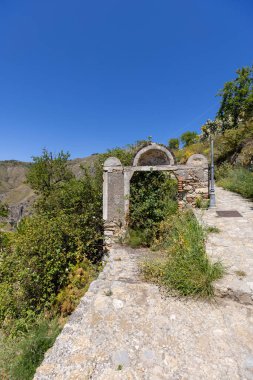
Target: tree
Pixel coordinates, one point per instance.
(237, 99)
(49, 171)
(188, 138)
(210, 128)
(174, 143)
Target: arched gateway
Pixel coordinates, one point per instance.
(192, 182)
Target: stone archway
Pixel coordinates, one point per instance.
(192, 181)
(153, 155)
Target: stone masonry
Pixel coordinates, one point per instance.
(192, 183)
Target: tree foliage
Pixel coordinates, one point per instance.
(174, 143)
(65, 230)
(153, 197)
(237, 99)
(188, 138)
(49, 171)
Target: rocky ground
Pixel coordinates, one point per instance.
(125, 328)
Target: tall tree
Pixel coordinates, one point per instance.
(237, 99)
(188, 138)
(174, 143)
(49, 171)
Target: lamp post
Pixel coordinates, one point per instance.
(212, 190)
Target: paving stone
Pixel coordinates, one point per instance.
(233, 245)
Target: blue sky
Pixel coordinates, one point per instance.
(84, 76)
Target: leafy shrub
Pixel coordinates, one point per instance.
(186, 269)
(79, 278)
(153, 196)
(183, 154)
(235, 145)
(138, 238)
(223, 170)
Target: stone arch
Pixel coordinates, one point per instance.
(153, 155)
(192, 180)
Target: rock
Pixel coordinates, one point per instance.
(120, 357)
(118, 304)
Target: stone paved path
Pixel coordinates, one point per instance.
(233, 245)
(124, 329)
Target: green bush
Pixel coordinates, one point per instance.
(139, 238)
(185, 269)
(79, 279)
(153, 197)
(201, 202)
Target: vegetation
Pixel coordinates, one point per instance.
(232, 131)
(237, 99)
(18, 361)
(212, 229)
(239, 180)
(188, 138)
(49, 172)
(184, 268)
(153, 197)
(173, 144)
(201, 202)
(48, 262)
(154, 220)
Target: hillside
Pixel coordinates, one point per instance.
(16, 192)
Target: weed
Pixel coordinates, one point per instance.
(186, 269)
(212, 229)
(239, 180)
(201, 202)
(108, 293)
(120, 367)
(240, 273)
(20, 357)
(138, 238)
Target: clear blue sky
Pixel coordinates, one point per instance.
(84, 76)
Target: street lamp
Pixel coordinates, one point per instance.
(212, 190)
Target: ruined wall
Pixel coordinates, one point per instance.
(192, 183)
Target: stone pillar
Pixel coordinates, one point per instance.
(113, 199)
(127, 178)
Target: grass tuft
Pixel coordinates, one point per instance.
(20, 358)
(240, 273)
(186, 269)
(138, 238)
(238, 180)
(212, 229)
